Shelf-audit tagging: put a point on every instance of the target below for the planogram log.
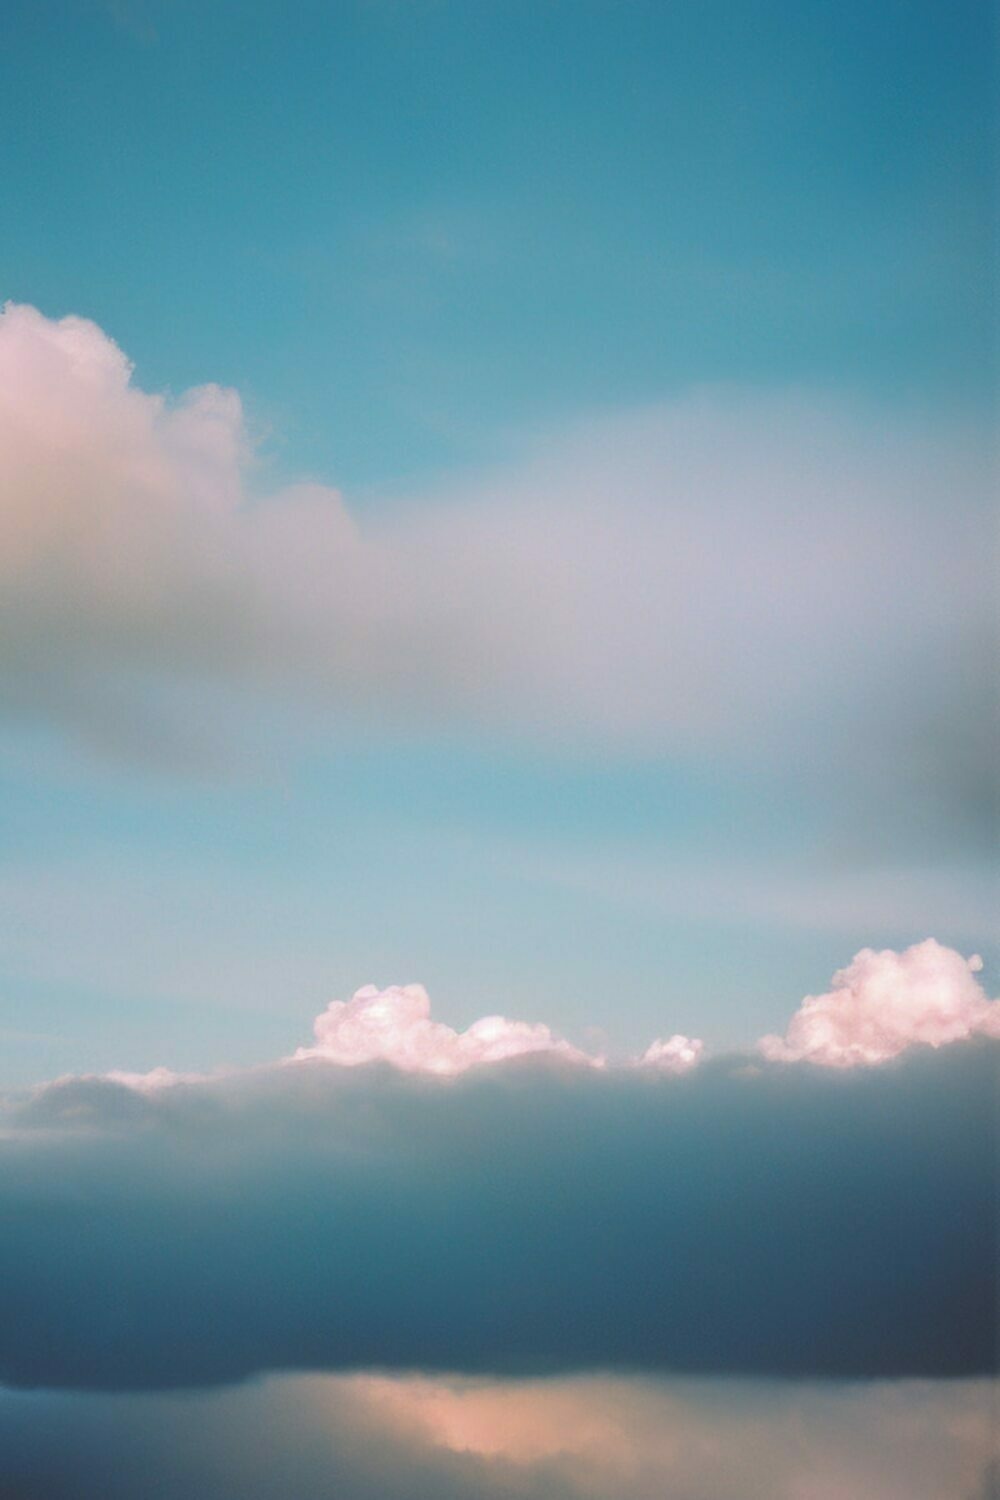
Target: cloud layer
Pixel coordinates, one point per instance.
(761, 575)
(531, 1215)
(373, 1438)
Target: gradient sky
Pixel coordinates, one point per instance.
(559, 282)
(498, 776)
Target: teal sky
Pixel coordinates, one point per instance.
(673, 324)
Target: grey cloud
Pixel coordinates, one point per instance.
(745, 1218)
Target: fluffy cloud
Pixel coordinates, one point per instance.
(885, 1002)
(881, 1004)
(395, 1026)
(534, 1215)
(753, 573)
(675, 1054)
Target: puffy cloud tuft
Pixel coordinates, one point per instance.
(674, 1054)
(885, 1002)
(394, 1025)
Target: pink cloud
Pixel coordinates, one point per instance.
(684, 575)
(394, 1025)
(673, 1054)
(879, 1005)
(885, 1002)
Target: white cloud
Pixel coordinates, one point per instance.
(394, 1025)
(156, 1078)
(883, 1003)
(880, 1004)
(674, 1054)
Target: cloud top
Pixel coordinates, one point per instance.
(394, 1025)
(674, 1054)
(882, 1003)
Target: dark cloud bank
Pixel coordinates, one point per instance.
(526, 1217)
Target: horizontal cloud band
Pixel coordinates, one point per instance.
(530, 1215)
(768, 575)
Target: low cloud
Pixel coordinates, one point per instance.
(885, 1002)
(526, 1216)
(379, 1438)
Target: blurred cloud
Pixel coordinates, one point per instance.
(524, 1216)
(376, 1438)
(766, 577)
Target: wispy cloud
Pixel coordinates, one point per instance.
(758, 577)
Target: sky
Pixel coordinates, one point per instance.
(497, 582)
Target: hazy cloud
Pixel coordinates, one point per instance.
(378, 1438)
(761, 575)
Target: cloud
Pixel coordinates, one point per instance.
(394, 1026)
(885, 1002)
(881, 1004)
(675, 1054)
(528, 1216)
(762, 576)
(378, 1438)
(130, 557)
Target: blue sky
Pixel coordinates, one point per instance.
(498, 776)
(409, 231)
(512, 277)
